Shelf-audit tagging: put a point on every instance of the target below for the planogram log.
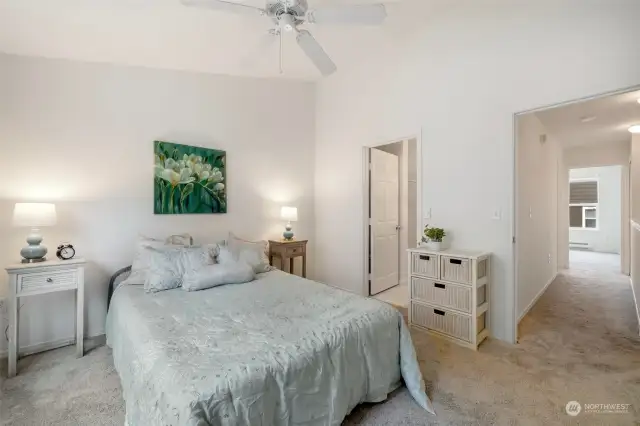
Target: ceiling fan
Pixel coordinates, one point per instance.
(288, 15)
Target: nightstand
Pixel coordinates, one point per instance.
(30, 279)
(289, 250)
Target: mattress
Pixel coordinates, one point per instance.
(280, 350)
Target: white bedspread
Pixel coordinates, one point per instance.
(280, 350)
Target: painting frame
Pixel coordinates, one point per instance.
(189, 179)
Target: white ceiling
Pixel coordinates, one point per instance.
(613, 117)
(165, 34)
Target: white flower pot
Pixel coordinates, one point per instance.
(434, 245)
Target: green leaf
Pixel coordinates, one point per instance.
(186, 191)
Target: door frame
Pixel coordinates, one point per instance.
(514, 190)
(366, 198)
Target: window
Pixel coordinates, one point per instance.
(583, 204)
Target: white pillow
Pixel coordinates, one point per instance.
(169, 264)
(225, 256)
(165, 269)
(252, 252)
(141, 260)
(216, 275)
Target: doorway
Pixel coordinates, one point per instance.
(572, 192)
(595, 218)
(391, 217)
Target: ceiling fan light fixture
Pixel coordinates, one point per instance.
(635, 128)
(287, 22)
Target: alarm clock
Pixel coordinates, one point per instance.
(65, 251)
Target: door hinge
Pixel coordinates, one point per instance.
(514, 240)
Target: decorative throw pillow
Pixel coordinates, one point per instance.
(217, 275)
(213, 249)
(140, 265)
(252, 252)
(180, 240)
(195, 258)
(165, 269)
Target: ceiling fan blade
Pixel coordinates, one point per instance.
(369, 14)
(225, 6)
(316, 53)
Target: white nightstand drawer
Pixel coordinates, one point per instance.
(41, 281)
(454, 296)
(442, 320)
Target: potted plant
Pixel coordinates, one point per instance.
(434, 237)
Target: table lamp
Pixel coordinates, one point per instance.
(34, 216)
(290, 214)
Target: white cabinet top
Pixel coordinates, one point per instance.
(16, 267)
(469, 254)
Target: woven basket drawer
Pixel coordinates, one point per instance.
(455, 269)
(442, 320)
(448, 295)
(424, 264)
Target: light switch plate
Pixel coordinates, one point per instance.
(497, 214)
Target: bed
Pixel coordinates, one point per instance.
(280, 350)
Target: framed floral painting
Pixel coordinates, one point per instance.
(189, 179)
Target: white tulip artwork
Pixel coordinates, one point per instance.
(189, 179)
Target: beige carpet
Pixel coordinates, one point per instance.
(580, 342)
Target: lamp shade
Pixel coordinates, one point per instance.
(289, 213)
(34, 214)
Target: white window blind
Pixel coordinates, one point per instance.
(583, 192)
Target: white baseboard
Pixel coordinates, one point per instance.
(535, 299)
(47, 346)
(635, 301)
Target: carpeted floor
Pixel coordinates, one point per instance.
(580, 342)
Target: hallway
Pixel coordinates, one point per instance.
(584, 332)
(592, 261)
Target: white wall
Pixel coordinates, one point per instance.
(537, 211)
(612, 153)
(635, 218)
(458, 77)
(412, 197)
(607, 237)
(81, 135)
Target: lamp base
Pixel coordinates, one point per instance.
(288, 233)
(34, 252)
(42, 259)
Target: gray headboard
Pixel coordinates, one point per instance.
(115, 281)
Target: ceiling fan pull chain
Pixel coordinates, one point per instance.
(281, 65)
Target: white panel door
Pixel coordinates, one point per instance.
(385, 220)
